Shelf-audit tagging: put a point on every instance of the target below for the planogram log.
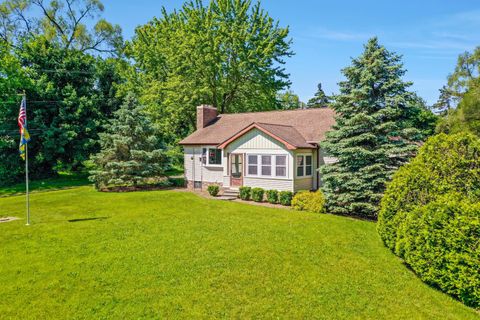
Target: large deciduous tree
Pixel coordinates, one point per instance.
(374, 132)
(228, 54)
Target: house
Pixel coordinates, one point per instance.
(271, 150)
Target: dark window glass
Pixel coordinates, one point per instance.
(214, 156)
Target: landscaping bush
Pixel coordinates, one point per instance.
(213, 190)
(428, 219)
(245, 193)
(272, 196)
(441, 243)
(446, 163)
(309, 201)
(285, 198)
(177, 182)
(257, 194)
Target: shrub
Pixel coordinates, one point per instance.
(272, 196)
(213, 189)
(285, 198)
(257, 194)
(428, 219)
(177, 182)
(440, 242)
(446, 163)
(245, 193)
(309, 201)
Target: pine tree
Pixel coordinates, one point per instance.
(131, 152)
(373, 134)
(319, 100)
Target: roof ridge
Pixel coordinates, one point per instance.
(274, 124)
(267, 111)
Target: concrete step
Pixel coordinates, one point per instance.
(232, 193)
(227, 198)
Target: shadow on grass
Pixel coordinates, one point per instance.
(88, 219)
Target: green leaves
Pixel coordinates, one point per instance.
(376, 131)
(228, 54)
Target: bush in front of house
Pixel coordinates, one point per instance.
(285, 198)
(213, 190)
(429, 218)
(257, 194)
(440, 242)
(245, 193)
(309, 201)
(272, 196)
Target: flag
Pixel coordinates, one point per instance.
(22, 124)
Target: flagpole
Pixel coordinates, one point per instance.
(26, 184)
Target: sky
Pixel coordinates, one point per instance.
(429, 34)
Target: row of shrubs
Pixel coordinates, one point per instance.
(430, 215)
(271, 196)
(302, 200)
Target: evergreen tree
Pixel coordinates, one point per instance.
(320, 99)
(132, 153)
(374, 132)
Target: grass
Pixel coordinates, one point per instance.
(168, 254)
(62, 181)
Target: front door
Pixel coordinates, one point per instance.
(236, 170)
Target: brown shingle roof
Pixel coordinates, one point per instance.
(300, 127)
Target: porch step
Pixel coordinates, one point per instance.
(227, 198)
(230, 193)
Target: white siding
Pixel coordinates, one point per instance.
(196, 171)
(257, 142)
(269, 184)
(303, 184)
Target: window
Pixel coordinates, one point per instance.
(213, 155)
(252, 165)
(281, 166)
(267, 165)
(304, 165)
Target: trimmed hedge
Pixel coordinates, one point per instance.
(285, 198)
(213, 190)
(244, 193)
(309, 201)
(272, 196)
(257, 194)
(441, 243)
(428, 218)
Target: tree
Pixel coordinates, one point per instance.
(228, 54)
(373, 135)
(288, 100)
(319, 100)
(64, 23)
(445, 102)
(131, 153)
(466, 71)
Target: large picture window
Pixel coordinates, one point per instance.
(304, 165)
(267, 165)
(212, 156)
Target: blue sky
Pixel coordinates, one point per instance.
(430, 34)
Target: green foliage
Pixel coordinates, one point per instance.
(123, 243)
(309, 201)
(288, 100)
(63, 23)
(440, 242)
(466, 118)
(213, 190)
(430, 215)
(272, 196)
(445, 164)
(257, 194)
(285, 198)
(177, 182)
(245, 193)
(131, 151)
(228, 54)
(374, 134)
(320, 99)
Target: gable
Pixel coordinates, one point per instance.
(255, 140)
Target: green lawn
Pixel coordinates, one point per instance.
(168, 254)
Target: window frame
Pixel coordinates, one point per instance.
(259, 165)
(304, 165)
(206, 160)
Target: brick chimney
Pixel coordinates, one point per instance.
(205, 115)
